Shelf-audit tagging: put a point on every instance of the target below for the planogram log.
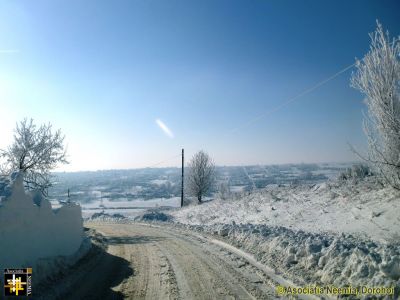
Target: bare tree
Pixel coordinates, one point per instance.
(201, 175)
(35, 152)
(378, 78)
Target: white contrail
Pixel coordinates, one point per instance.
(165, 128)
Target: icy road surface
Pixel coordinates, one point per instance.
(151, 262)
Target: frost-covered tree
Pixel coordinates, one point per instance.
(224, 191)
(378, 78)
(35, 152)
(201, 175)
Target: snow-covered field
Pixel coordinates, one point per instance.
(129, 209)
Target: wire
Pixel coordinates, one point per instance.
(306, 91)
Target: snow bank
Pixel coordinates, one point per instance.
(309, 258)
(31, 233)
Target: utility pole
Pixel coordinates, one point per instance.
(182, 177)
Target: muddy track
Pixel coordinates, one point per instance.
(151, 262)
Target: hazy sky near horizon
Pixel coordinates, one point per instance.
(131, 82)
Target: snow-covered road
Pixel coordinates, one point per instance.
(140, 261)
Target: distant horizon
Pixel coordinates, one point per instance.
(217, 166)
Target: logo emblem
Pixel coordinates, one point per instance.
(18, 282)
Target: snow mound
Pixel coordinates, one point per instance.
(154, 216)
(30, 231)
(103, 216)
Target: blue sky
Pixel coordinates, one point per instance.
(106, 71)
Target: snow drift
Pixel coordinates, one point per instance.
(31, 232)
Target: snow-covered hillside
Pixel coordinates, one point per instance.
(364, 209)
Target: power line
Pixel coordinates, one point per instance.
(304, 92)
